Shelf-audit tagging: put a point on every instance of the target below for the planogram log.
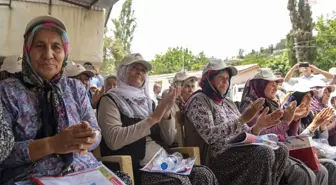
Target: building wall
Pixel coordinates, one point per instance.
(241, 78)
(85, 27)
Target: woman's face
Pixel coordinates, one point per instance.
(221, 82)
(110, 84)
(136, 75)
(47, 53)
(307, 100)
(325, 96)
(187, 89)
(271, 90)
(84, 78)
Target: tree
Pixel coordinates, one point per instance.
(325, 42)
(281, 45)
(120, 45)
(290, 49)
(241, 53)
(280, 64)
(302, 27)
(176, 59)
(108, 62)
(270, 49)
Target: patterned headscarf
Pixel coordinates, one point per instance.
(133, 102)
(51, 104)
(317, 104)
(208, 86)
(254, 89)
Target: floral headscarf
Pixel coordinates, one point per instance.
(51, 104)
(253, 90)
(317, 104)
(209, 88)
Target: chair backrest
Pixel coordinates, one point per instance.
(192, 138)
(179, 123)
(96, 152)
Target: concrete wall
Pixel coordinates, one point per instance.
(85, 27)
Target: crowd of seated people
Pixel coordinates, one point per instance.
(54, 113)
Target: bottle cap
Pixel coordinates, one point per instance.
(164, 166)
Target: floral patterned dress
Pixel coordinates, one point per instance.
(22, 114)
(217, 124)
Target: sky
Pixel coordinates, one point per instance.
(217, 27)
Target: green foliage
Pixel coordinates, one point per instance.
(290, 49)
(120, 45)
(302, 27)
(325, 42)
(176, 59)
(280, 63)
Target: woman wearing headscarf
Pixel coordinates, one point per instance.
(130, 126)
(187, 83)
(50, 116)
(264, 85)
(319, 102)
(314, 126)
(217, 120)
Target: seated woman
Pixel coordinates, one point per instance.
(264, 85)
(217, 120)
(50, 116)
(79, 72)
(110, 83)
(187, 84)
(321, 101)
(131, 127)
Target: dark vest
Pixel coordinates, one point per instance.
(136, 149)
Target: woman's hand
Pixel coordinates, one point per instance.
(329, 119)
(319, 119)
(163, 109)
(267, 120)
(77, 138)
(289, 112)
(252, 110)
(301, 111)
(172, 100)
(96, 96)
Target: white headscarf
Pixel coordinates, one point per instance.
(133, 102)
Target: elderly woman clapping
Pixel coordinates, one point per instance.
(50, 116)
(130, 126)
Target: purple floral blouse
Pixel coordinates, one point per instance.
(22, 114)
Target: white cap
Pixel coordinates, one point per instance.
(332, 70)
(75, 70)
(136, 58)
(217, 64)
(298, 87)
(266, 74)
(12, 64)
(182, 76)
(93, 86)
(44, 19)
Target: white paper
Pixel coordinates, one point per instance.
(98, 176)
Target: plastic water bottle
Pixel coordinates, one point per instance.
(171, 161)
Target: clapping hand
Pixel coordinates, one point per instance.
(77, 138)
(164, 107)
(289, 112)
(267, 120)
(252, 110)
(320, 119)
